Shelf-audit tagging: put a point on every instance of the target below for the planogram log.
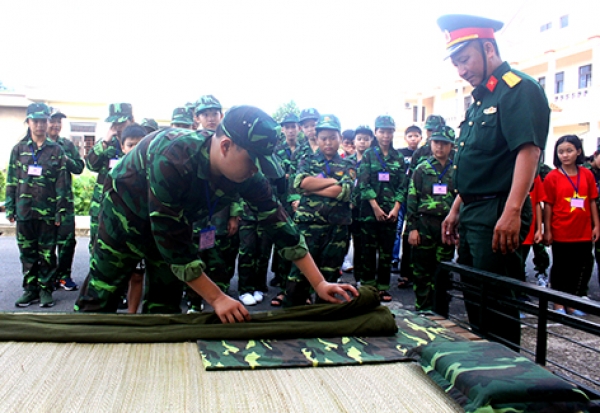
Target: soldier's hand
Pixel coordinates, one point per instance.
(414, 238)
(328, 291)
(506, 232)
(109, 134)
(230, 310)
(450, 229)
(232, 226)
(295, 205)
(11, 220)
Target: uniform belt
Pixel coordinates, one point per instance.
(469, 199)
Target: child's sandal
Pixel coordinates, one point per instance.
(385, 296)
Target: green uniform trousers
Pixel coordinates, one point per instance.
(425, 258)
(476, 230)
(65, 243)
(36, 240)
(117, 251)
(253, 261)
(327, 245)
(375, 238)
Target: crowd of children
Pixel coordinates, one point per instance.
(340, 188)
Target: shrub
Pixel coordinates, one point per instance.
(83, 188)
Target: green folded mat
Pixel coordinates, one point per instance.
(413, 331)
(485, 377)
(362, 317)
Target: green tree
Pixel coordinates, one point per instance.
(83, 188)
(290, 107)
(2, 186)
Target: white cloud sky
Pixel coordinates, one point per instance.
(350, 58)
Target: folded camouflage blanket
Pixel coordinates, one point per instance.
(361, 317)
(413, 330)
(486, 377)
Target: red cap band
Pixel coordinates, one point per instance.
(468, 33)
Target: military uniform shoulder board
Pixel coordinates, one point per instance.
(511, 79)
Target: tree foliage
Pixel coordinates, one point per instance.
(284, 109)
(83, 188)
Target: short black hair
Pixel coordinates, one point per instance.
(133, 131)
(413, 128)
(348, 135)
(576, 142)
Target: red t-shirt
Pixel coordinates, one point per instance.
(537, 195)
(570, 223)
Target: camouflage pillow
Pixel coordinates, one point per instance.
(489, 377)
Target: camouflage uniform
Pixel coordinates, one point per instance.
(150, 215)
(149, 124)
(322, 220)
(100, 159)
(36, 203)
(255, 251)
(378, 236)
(66, 231)
(425, 213)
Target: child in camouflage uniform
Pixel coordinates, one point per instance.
(325, 181)
(430, 198)
(382, 189)
(66, 231)
(36, 198)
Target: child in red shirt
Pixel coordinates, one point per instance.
(570, 219)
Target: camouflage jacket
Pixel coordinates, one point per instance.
(320, 209)
(279, 188)
(421, 199)
(370, 187)
(595, 172)
(355, 198)
(98, 160)
(165, 180)
(285, 154)
(74, 165)
(420, 155)
(545, 170)
(41, 197)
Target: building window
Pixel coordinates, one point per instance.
(542, 82)
(415, 113)
(559, 82)
(546, 27)
(564, 21)
(585, 76)
(423, 112)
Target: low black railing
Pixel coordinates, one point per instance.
(488, 288)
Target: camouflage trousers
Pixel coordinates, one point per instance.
(123, 241)
(327, 245)
(375, 237)
(93, 226)
(253, 262)
(36, 240)
(65, 243)
(220, 264)
(541, 259)
(425, 259)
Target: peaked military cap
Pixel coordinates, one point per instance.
(257, 132)
(290, 118)
(460, 29)
(329, 122)
(385, 121)
(119, 112)
(38, 111)
(149, 124)
(207, 102)
(308, 114)
(444, 134)
(182, 115)
(434, 122)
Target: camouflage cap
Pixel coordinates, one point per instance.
(290, 118)
(149, 124)
(308, 114)
(364, 129)
(444, 134)
(182, 115)
(55, 113)
(119, 112)
(434, 122)
(385, 121)
(329, 122)
(255, 131)
(207, 102)
(38, 111)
